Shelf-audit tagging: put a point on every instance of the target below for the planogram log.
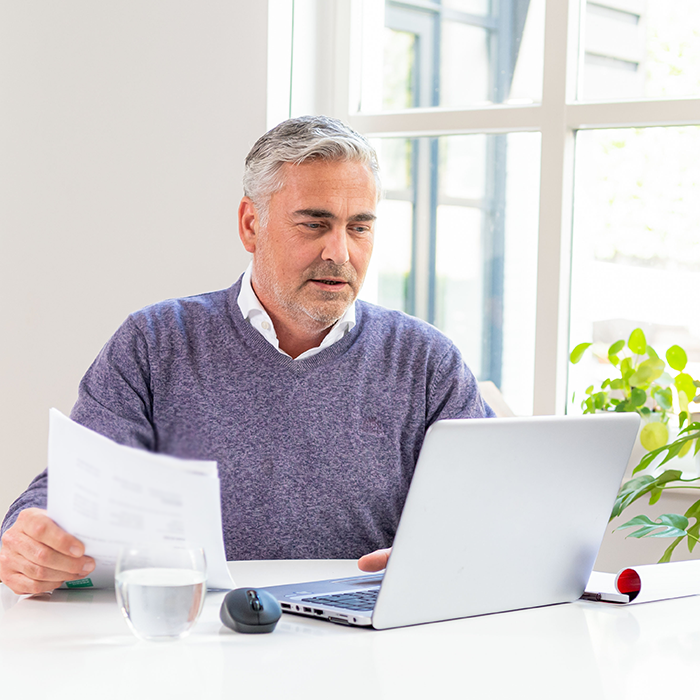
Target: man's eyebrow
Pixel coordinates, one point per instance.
(364, 216)
(325, 214)
(315, 213)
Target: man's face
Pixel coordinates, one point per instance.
(311, 257)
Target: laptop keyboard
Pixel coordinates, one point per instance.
(355, 600)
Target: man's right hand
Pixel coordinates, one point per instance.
(38, 556)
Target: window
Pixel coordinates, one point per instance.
(483, 112)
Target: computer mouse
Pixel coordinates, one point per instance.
(250, 611)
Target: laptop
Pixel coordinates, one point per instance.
(502, 514)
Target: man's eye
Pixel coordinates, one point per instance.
(313, 225)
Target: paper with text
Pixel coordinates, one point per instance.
(109, 495)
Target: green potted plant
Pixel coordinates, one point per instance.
(645, 385)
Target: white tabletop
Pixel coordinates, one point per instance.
(75, 644)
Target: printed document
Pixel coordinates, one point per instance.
(109, 495)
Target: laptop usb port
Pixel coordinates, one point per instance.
(286, 606)
(318, 612)
(306, 609)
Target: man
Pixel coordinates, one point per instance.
(314, 405)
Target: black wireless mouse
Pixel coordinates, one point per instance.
(249, 611)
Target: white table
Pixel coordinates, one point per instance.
(75, 644)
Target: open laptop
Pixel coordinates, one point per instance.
(502, 514)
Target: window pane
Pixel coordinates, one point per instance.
(453, 54)
(399, 53)
(387, 278)
(641, 48)
(464, 50)
(636, 254)
(456, 245)
(474, 7)
(456, 180)
(460, 279)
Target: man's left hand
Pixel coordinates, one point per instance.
(375, 561)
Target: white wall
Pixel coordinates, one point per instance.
(123, 129)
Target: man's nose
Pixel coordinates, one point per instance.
(335, 246)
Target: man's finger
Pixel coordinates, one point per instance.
(375, 561)
(40, 562)
(37, 524)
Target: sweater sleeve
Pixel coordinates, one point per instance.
(114, 399)
(453, 391)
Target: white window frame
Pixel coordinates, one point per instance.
(557, 119)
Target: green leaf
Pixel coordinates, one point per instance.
(685, 449)
(626, 367)
(673, 520)
(655, 495)
(615, 348)
(637, 342)
(653, 436)
(617, 384)
(638, 486)
(693, 535)
(614, 360)
(665, 532)
(664, 380)
(676, 357)
(664, 397)
(666, 556)
(577, 352)
(647, 372)
(637, 398)
(645, 532)
(652, 353)
(668, 525)
(693, 511)
(637, 520)
(684, 382)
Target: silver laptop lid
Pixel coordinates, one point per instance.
(503, 514)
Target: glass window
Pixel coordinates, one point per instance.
(456, 244)
(641, 48)
(454, 54)
(636, 254)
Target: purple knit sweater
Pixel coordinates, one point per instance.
(315, 456)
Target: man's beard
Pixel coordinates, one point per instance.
(314, 308)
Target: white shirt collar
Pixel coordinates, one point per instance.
(254, 312)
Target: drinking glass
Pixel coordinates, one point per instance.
(160, 589)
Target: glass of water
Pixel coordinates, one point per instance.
(160, 589)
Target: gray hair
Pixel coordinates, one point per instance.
(298, 141)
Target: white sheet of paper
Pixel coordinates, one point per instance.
(109, 495)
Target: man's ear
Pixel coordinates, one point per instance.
(248, 224)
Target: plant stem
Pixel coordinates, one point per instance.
(668, 488)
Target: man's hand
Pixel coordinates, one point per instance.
(375, 561)
(38, 556)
